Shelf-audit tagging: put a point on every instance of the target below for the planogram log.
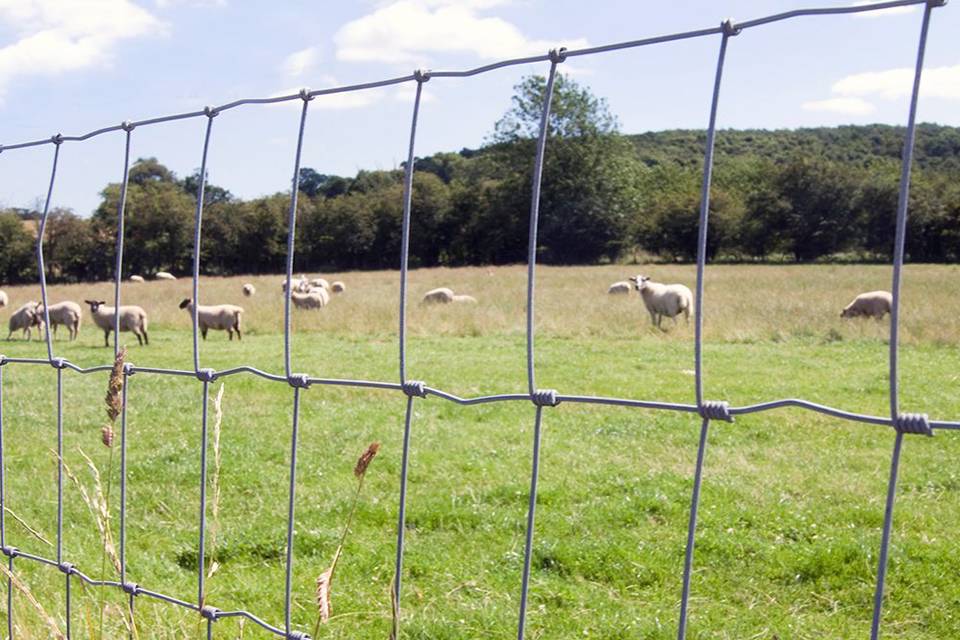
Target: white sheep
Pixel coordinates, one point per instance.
(338, 287)
(24, 319)
(464, 299)
(316, 299)
(163, 275)
(136, 279)
(620, 288)
(249, 289)
(320, 282)
(873, 304)
(222, 317)
(300, 284)
(440, 295)
(63, 313)
(664, 299)
(4, 300)
(132, 318)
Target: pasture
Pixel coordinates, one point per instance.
(792, 502)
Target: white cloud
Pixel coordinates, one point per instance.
(408, 31)
(300, 62)
(847, 106)
(880, 13)
(54, 37)
(936, 82)
(165, 4)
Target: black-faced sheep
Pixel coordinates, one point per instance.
(221, 317)
(132, 318)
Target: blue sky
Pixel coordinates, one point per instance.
(72, 66)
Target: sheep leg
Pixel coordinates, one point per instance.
(139, 339)
(106, 337)
(55, 331)
(237, 329)
(653, 318)
(203, 332)
(230, 333)
(145, 340)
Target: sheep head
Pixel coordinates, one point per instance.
(640, 281)
(185, 303)
(94, 304)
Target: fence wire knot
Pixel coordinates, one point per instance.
(421, 75)
(730, 28)
(129, 369)
(11, 552)
(305, 95)
(936, 3)
(913, 423)
(211, 112)
(545, 398)
(131, 587)
(58, 363)
(414, 388)
(67, 568)
(3, 359)
(210, 613)
(206, 375)
(558, 55)
(298, 380)
(127, 126)
(716, 410)
(57, 139)
(298, 635)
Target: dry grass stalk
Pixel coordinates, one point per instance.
(325, 579)
(25, 590)
(215, 481)
(97, 504)
(36, 534)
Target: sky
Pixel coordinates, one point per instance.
(72, 66)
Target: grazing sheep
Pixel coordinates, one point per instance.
(132, 318)
(338, 287)
(136, 279)
(300, 285)
(223, 317)
(316, 299)
(163, 275)
(24, 319)
(873, 304)
(664, 299)
(320, 282)
(63, 313)
(249, 289)
(464, 299)
(440, 295)
(620, 288)
(4, 301)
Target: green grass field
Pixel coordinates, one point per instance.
(792, 501)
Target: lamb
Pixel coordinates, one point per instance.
(316, 299)
(873, 304)
(163, 275)
(620, 288)
(338, 287)
(249, 290)
(132, 318)
(24, 319)
(664, 299)
(63, 313)
(440, 295)
(464, 299)
(136, 279)
(4, 301)
(223, 317)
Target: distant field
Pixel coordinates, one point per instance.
(792, 502)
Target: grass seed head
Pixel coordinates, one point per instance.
(114, 400)
(106, 435)
(366, 459)
(324, 606)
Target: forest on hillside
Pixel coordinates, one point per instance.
(804, 195)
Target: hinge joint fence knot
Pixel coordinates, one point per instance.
(421, 75)
(131, 588)
(730, 28)
(917, 423)
(716, 410)
(414, 388)
(210, 613)
(298, 380)
(545, 398)
(305, 95)
(211, 112)
(127, 126)
(3, 359)
(10, 552)
(58, 363)
(936, 3)
(558, 55)
(67, 568)
(129, 369)
(206, 375)
(298, 635)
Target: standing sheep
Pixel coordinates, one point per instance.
(4, 301)
(63, 313)
(620, 288)
(317, 299)
(163, 275)
(338, 287)
(440, 295)
(664, 299)
(24, 319)
(132, 318)
(222, 317)
(873, 304)
(249, 290)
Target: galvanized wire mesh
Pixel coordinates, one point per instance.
(902, 423)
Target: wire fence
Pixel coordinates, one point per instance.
(709, 410)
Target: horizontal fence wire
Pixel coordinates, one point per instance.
(414, 390)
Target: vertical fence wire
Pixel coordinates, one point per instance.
(903, 201)
(291, 505)
(121, 215)
(201, 544)
(57, 140)
(197, 226)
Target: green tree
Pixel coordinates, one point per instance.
(17, 258)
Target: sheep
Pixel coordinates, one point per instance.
(338, 287)
(873, 304)
(441, 295)
(4, 301)
(620, 288)
(300, 285)
(223, 317)
(163, 275)
(132, 318)
(136, 279)
(249, 290)
(63, 313)
(320, 282)
(464, 299)
(663, 299)
(24, 319)
(316, 299)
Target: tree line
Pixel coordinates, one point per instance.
(805, 195)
